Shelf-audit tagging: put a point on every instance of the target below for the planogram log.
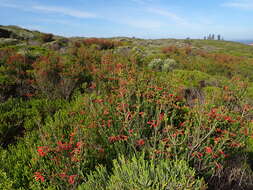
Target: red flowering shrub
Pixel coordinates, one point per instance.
(103, 44)
(141, 115)
(57, 77)
(17, 65)
(60, 161)
(5, 53)
(170, 49)
(16, 73)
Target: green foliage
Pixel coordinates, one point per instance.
(18, 116)
(190, 78)
(98, 179)
(5, 182)
(139, 173)
(15, 162)
(163, 65)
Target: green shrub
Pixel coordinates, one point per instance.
(5, 182)
(163, 65)
(141, 174)
(16, 163)
(47, 38)
(18, 117)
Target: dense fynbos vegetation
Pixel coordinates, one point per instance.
(107, 114)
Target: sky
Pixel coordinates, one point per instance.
(233, 19)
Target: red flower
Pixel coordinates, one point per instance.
(72, 179)
(152, 123)
(208, 150)
(63, 175)
(38, 177)
(218, 130)
(117, 138)
(112, 139)
(101, 150)
(41, 151)
(217, 139)
(215, 156)
(93, 85)
(219, 166)
(161, 116)
(106, 112)
(79, 144)
(221, 152)
(181, 124)
(225, 87)
(234, 144)
(140, 142)
(141, 113)
(130, 130)
(63, 146)
(198, 155)
(82, 112)
(123, 137)
(229, 119)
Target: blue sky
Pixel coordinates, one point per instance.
(140, 18)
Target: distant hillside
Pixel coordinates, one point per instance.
(20, 37)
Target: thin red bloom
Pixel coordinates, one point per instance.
(219, 166)
(130, 130)
(38, 176)
(123, 137)
(101, 150)
(217, 139)
(63, 146)
(152, 123)
(208, 150)
(140, 142)
(198, 155)
(79, 144)
(112, 139)
(161, 116)
(181, 124)
(41, 151)
(72, 179)
(63, 175)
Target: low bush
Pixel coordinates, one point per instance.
(57, 77)
(163, 65)
(103, 44)
(47, 38)
(140, 174)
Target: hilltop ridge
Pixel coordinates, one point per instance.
(18, 36)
